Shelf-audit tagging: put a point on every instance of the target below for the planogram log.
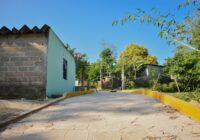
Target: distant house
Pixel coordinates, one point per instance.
(148, 72)
(34, 63)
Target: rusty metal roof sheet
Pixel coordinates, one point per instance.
(24, 30)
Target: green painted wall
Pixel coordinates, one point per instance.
(153, 71)
(56, 85)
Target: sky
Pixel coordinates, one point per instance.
(87, 24)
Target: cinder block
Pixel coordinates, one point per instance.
(29, 63)
(3, 69)
(14, 74)
(13, 68)
(30, 74)
(22, 68)
(18, 63)
(5, 59)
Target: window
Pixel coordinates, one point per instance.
(65, 69)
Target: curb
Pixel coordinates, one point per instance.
(186, 108)
(25, 114)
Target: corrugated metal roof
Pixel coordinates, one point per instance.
(24, 30)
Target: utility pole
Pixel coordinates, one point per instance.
(101, 75)
(122, 74)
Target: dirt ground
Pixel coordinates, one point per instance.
(105, 116)
(12, 108)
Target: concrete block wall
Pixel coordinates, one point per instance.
(23, 60)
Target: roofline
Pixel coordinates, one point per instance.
(64, 46)
(142, 66)
(152, 65)
(24, 30)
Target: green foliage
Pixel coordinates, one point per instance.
(166, 87)
(186, 67)
(94, 71)
(136, 55)
(188, 2)
(107, 64)
(107, 61)
(133, 57)
(130, 85)
(195, 32)
(82, 65)
(170, 29)
(188, 96)
(151, 59)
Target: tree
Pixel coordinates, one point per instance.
(81, 64)
(173, 31)
(94, 71)
(133, 57)
(81, 67)
(195, 33)
(107, 64)
(185, 67)
(151, 59)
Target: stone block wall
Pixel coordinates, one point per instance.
(23, 65)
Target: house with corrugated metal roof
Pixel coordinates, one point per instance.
(34, 63)
(148, 72)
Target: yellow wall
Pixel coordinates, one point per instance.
(180, 105)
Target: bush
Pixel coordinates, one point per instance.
(169, 87)
(130, 85)
(188, 96)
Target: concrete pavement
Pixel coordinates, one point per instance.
(105, 116)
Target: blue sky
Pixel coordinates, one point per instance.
(85, 24)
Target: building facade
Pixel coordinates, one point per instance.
(34, 63)
(148, 72)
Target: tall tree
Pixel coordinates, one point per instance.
(94, 71)
(107, 63)
(82, 65)
(133, 57)
(151, 59)
(185, 67)
(195, 32)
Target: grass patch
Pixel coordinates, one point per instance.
(187, 96)
(133, 90)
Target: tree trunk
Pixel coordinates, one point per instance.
(135, 72)
(82, 80)
(112, 82)
(88, 84)
(175, 79)
(155, 83)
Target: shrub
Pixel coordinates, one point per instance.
(77, 93)
(188, 96)
(169, 87)
(130, 85)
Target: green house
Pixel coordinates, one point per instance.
(34, 63)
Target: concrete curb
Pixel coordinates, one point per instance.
(25, 114)
(186, 108)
